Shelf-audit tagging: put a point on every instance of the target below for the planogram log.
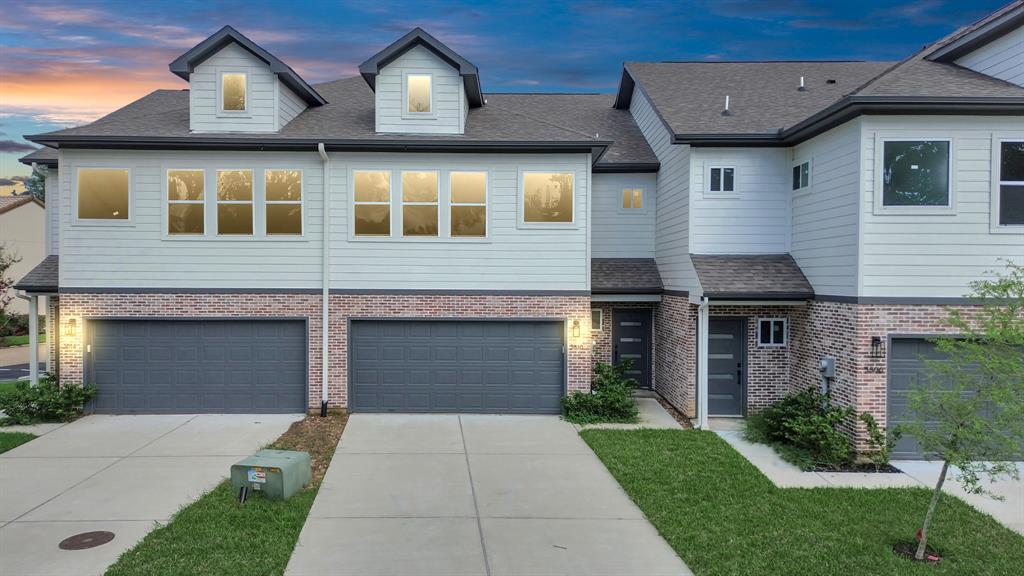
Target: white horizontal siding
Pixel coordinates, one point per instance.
(754, 219)
(448, 113)
(262, 114)
(52, 211)
(618, 233)
(288, 105)
(923, 255)
(824, 216)
(672, 221)
(1002, 58)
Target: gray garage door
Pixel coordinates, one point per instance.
(456, 366)
(197, 366)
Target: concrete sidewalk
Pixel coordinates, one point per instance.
(121, 474)
(473, 495)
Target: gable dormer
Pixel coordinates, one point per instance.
(421, 86)
(993, 46)
(237, 86)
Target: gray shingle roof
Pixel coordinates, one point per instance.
(349, 116)
(624, 276)
(8, 203)
(45, 155)
(760, 276)
(42, 278)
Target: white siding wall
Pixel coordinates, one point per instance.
(618, 233)
(1002, 58)
(511, 258)
(672, 225)
(920, 255)
(52, 212)
(824, 216)
(262, 114)
(288, 105)
(449, 109)
(752, 220)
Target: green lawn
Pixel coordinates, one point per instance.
(10, 440)
(19, 340)
(722, 516)
(7, 386)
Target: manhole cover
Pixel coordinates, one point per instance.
(86, 540)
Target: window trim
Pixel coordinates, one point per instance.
(449, 204)
(878, 181)
(810, 176)
(521, 200)
(221, 112)
(217, 202)
(643, 198)
(722, 193)
(997, 182)
(600, 320)
(76, 221)
(785, 333)
(301, 202)
(168, 202)
(402, 203)
(409, 114)
(353, 203)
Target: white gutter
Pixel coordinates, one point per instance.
(702, 363)
(33, 336)
(325, 265)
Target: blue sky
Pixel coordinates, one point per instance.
(67, 62)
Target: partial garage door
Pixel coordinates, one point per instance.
(497, 367)
(197, 366)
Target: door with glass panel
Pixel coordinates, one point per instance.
(631, 340)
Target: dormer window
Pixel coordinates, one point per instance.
(233, 91)
(418, 94)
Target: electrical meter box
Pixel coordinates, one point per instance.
(276, 473)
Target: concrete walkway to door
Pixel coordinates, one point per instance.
(474, 495)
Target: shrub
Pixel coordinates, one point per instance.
(46, 402)
(17, 324)
(610, 398)
(807, 423)
(880, 442)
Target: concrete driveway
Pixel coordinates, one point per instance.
(120, 474)
(473, 495)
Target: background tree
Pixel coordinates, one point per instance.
(969, 411)
(35, 184)
(7, 259)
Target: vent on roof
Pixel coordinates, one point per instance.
(830, 81)
(803, 87)
(726, 112)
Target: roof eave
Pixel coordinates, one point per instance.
(625, 167)
(766, 296)
(629, 290)
(977, 38)
(624, 93)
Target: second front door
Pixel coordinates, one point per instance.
(631, 340)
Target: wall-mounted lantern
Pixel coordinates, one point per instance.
(71, 328)
(575, 328)
(876, 347)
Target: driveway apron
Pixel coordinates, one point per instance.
(481, 495)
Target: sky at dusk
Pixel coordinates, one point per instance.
(68, 62)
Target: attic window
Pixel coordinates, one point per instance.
(418, 93)
(232, 91)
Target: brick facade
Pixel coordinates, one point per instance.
(343, 308)
(602, 339)
(675, 329)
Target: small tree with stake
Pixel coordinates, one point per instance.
(969, 412)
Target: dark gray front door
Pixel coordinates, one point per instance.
(197, 366)
(631, 340)
(492, 366)
(727, 339)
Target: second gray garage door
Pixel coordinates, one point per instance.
(197, 366)
(514, 367)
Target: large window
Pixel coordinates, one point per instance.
(232, 91)
(103, 194)
(547, 197)
(419, 203)
(372, 203)
(185, 202)
(234, 203)
(915, 173)
(1011, 184)
(722, 179)
(417, 87)
(283, 190)
(802, 175)
(468, 204)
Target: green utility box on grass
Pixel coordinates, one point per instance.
(276, 473)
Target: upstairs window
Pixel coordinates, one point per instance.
(468, 204)
(283, 190)
(722, 179)
(103, 194)
(633, 199)
(185, 202)
(548, 197)
(372, 203)
(802, 175)
(233, 91)
(771, 332)
(234, 203)
(915, 173)
(419, 203)
(417, 87)
(1010, 199)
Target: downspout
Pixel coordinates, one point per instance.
(325, 305)
(702, 363)
(33, 336)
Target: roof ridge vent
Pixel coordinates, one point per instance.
(726, 112)
(803, 86)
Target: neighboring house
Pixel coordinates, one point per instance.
(726, 226)
(23, 234)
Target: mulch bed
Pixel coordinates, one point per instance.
(676, 414)
(908, 549)
(317, 435)
(860, 467)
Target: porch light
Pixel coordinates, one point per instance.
(876, 347)
(71, 328)
(575, 328)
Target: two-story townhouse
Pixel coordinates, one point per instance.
(402, 241)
